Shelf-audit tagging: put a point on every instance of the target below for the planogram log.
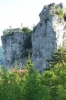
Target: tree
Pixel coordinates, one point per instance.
(57, 57)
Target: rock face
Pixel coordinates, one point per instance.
(12, 45)
(48, 35)
(16, 47)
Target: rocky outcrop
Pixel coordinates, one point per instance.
(15, 49)
(12, 45)
(48, 35)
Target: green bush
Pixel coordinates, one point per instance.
(31, 85)
(8, 32)
(60, 12)
(25, 30)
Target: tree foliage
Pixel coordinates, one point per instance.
(31, 85)
(57, 57)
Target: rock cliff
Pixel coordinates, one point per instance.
(15, 48)
(48, 35)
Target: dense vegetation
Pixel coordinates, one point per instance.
(31, 85)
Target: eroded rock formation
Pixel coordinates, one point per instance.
(47, 36)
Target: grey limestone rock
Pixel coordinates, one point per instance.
(50, 33)
(12, 45)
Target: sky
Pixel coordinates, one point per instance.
(15, 12)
